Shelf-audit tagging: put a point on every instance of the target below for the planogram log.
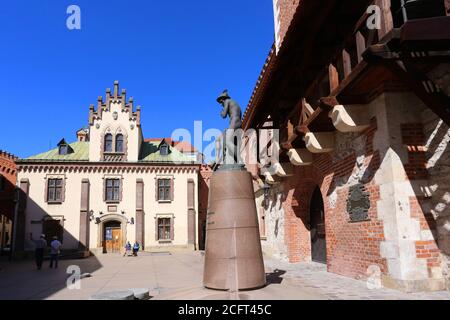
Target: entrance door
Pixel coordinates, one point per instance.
(317, 216)
(52, 228)
(113, 237)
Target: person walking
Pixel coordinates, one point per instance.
(55, 247)
(41, 244)
(135, 248)
(127, 249)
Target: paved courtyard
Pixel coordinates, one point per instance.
(179, 276)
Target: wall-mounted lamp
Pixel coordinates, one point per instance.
(97, 220)
(131, 221)
(91, 215)
(266, 190)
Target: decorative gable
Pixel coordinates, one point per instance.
(115, 128)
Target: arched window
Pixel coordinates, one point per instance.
(108, 142)
(119, 143)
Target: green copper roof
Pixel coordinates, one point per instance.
(80, 153)
(149, 153)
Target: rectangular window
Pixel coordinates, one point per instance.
(164, 229)
(54, 191)
(112, 189)
(164, 186)
(2, 183)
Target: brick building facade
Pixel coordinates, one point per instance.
(8, 176)
(362, 182)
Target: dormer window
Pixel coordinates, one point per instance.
(64, 148)
(108, 142)
(119, 143)
(164, 148)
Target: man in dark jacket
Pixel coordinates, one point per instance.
(41, 244)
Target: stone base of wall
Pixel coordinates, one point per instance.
(271, 252)
(414, 285)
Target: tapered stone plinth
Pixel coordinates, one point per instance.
(233, 256)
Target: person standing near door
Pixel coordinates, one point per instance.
(135, 248)
(55, 247)
(41, 244)
(127, 249)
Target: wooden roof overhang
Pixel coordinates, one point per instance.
(408, 54)
(317, 32)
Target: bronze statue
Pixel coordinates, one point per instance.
(233, 254)
(231, 109)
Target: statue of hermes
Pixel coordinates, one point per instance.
(230, 150)
(231, 109)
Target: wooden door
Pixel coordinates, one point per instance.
(117, 240)
(113, 239)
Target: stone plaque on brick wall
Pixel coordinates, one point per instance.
(358, 203)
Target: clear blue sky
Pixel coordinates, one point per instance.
(173, 57)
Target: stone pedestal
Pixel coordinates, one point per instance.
(233, 255)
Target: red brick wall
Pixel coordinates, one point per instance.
(351, 247)
(9, 171)
(414, 139)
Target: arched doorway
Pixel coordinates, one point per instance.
(111, 233)
(317, 222)
(112, 236)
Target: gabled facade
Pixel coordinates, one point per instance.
(110, 186)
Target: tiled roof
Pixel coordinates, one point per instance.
(182, 146)
(150, 153)
(80, 153)
(263, 80)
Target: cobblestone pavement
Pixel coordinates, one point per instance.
(179, 276)
(335, 287)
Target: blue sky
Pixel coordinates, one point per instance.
(173, 57)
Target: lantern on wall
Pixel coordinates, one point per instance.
(266, 191)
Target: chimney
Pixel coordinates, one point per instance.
(83, 135)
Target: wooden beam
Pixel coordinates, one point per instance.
(437, 101)
(360, 45)
(334, 77)
(387, 23)
(347, 62)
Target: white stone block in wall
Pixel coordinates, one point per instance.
(389, 250)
